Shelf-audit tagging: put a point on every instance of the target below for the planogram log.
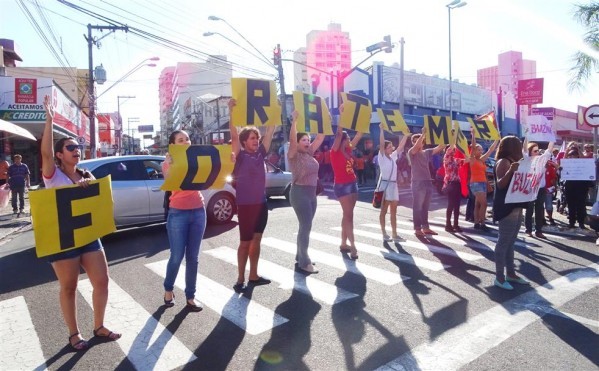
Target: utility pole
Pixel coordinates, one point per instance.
(90, 83)
(401, 80)
(279, 63)
(218, 120)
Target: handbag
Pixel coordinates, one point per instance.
(377, 198)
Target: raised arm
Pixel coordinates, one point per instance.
(356, 140)
(419, 143)
(491, 149)
(293, 136)
(402, 144)
(504, 171)
(438, 149)
(381, 137)
(47, 144)
(338, 137)
(317, 142)
(236, 146)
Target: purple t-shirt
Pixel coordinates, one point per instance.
(251, 177)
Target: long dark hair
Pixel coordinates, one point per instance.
(301, 135)
(171, 138)
(58, 146)
(510, 147)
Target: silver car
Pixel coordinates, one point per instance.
(136, 182)
(278, 182)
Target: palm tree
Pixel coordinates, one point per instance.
(585, 65)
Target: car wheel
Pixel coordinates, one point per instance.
(221, 208)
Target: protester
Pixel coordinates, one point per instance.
(302, 196)
(576, 196)
(452, 187)
(345, 187)
(18, 180)
(59, 168)
(536, 206)
(185, 225)
(478, 181)
(252, 212)
(551, 188)
(421, 182)
(509, 215)
(326, 164)
(3, 171)
(387, 160)
(594, 219)
(359, 162)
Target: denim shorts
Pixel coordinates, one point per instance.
(478, 187)
(345, 189)
(74, 253)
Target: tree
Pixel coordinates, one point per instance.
(585, 65)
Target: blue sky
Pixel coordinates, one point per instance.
(542, 30)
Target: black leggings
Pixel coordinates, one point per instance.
(453, 202)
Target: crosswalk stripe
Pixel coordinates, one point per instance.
(440, 238)
(243, 312)
(287, 278)
(341, 263)
(146, 342)
(21, 348)
(522, 230)
(419, 245)
(380, 251)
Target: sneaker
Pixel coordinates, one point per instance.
(505, 285)
(519, 280)
(387, 238)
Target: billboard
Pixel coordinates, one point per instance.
(530, 91)
(145, 128)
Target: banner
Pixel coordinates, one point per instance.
(577, 169)
(484, 129)
(257, 102)
(393, 121)
(198, 167)
(539, 129)
(437, 129)
(356, 113)
(69, 217)
(526, 181)
(313, 114)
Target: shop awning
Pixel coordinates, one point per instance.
(9, 127)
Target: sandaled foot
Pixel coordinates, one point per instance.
(259, 281)
(429, 231)
(103, 332)
(78, 345)
(169, 303)
(419, 233)
(344, 248)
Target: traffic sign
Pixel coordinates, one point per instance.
(81, 140)
(591, 115)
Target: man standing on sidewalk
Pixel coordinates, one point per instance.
(18, 179)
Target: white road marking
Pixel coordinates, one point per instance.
(380, 251)
(419, 245)
(287, 278)
(21, 348)
(339, 262)
(146, 342)
(465, 343)
(594, 324)
(522, 230)
(246, 314)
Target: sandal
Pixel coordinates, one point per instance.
(344, 248)
(169, 303)
(419, 233)
(80, 345)
(110, 336)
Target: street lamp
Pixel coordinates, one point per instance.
(120, 131)
(453, 5)
(215, 18)
(131, 72)
(260, 56)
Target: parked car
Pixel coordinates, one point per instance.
(278, 182)
(136, 182)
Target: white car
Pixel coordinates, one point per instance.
(136, 182)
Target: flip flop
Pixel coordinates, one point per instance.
(80, 345)
(110, 336)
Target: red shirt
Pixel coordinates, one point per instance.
(550, 174)
(343, 168)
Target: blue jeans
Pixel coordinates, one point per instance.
(185, 232)
(421, 198)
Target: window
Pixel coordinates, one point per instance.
(122, 171)
(154, 169)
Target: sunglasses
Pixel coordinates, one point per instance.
(72, 147)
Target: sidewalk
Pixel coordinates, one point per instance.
(11, 223)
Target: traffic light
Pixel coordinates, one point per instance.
(276, 56)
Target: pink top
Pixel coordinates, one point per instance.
(184, 200)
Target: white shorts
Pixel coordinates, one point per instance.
(391, 192)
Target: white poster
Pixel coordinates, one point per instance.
(526, 181)
(577, 169)
(539, 129)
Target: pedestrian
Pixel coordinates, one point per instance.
(327, 173)
(576, 196)
(551, 188)
(304, 168)
(3, 171)
(478, 181)
(387, 161)
(452, 187)
(59, 168)
(422, 187)
(509, 215)
(18, 180)
(536, 206)
(252, 213)
(345, 187)
(359, 162)
(185, 226)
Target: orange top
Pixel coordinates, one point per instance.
(3, 169)
(478, 171)
(359, 161)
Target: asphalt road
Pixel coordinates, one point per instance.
(420, 304)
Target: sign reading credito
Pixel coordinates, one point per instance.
(23, 115)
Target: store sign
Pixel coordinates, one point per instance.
(145, 128)
(530, 91)
(25, 90)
